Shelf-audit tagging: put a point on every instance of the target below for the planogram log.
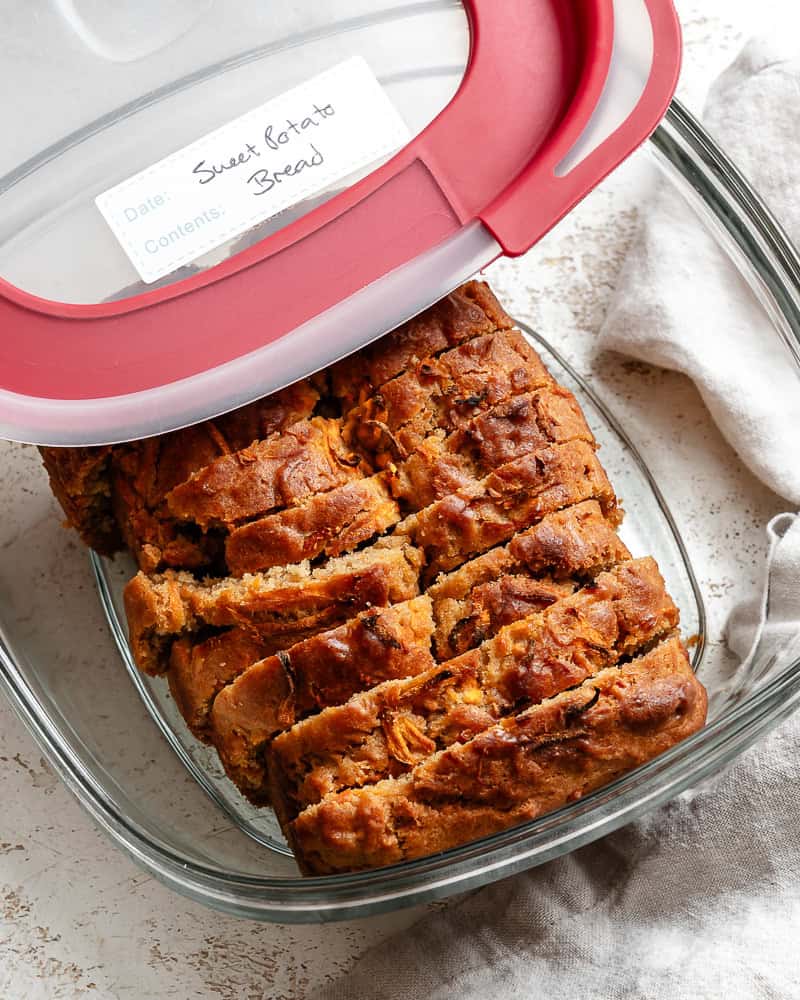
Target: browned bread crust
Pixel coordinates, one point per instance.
(322, 670)
(525, 423)
(476, 517)
(384, 732)
(508, 583)
(254, 422)
(328, 524)
(576, 541)
(199, 670)
(490, 606)
(469, 311)
(309, 457)
(79, 480)
(150, 533)
(444, 393)
(517, 770)
(112, 495)
(285, 601)
(155, 466)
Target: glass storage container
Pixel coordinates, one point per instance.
(113, 735)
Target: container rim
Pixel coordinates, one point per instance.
(771, 264)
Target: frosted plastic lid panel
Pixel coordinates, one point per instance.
(202, 202)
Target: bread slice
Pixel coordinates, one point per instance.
(198, 671)
(384, 732)
(443, 463)
(322, 670)
(468, 312)
(155, 466)
(462, 625)
(515, 771)
(327, 524)
(80, 482)
(309, 457)
(156, 540)
(488, 512)
(110, 495)
(337, 521)
(444, 393)
(511, 582)
(285, 601)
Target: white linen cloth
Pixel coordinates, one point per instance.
(701, 899)
(682, 305)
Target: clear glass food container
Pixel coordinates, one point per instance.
(114, 736)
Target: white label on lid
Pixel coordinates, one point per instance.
(289, 149)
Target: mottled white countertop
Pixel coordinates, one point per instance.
(79, 919)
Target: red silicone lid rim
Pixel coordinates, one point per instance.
(415, 201)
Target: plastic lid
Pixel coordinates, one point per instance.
(517, 110)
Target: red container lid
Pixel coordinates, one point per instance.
(555, 95)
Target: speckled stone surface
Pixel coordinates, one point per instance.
(77, 918)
